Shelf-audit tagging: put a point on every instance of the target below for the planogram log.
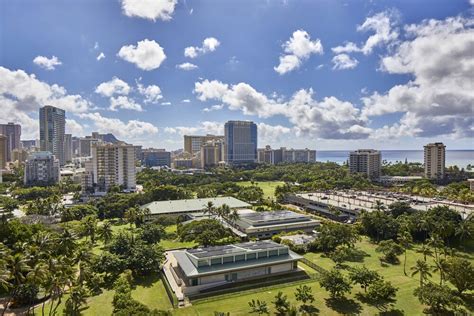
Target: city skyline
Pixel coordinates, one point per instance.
(303, 80)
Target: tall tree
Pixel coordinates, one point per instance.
(282, 304)
(421, 268)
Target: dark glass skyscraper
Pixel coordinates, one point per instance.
(52, 128)
(240, 142)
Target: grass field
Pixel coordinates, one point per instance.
(268, 187)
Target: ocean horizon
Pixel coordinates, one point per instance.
(460, 158)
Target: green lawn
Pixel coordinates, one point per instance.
(268, 187)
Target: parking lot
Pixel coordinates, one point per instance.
(358, 200)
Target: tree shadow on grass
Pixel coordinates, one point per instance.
(311, 310)
(357, 255)
(344, 305)
(392, 312)
(381, 304)
(147, 281)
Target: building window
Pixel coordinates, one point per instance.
(215, 261)
(269, 270)
(251, 256)
(194, 282)
(262, 254)
(240, 258)
(273, 253)
(228, 259)
(202, 263)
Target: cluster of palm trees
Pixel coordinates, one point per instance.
(224, 212)
(46, 267)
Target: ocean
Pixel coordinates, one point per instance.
(460, 158)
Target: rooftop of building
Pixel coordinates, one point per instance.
(192, 205)
(271, 218)
(212, 260)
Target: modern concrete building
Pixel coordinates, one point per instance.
(192, 143)
(52, 122)
(29, 144)
(85, 145)
(12, 132)
(68, 147)
(366, 161)
(195, 270)
(435, 160)
(266, 224)
(111, 165)
(156, 157)
(3, 151)
(211, 153)
(240, 142)
(41, 168)
(276, 156)
(192, 205)
(183, 163)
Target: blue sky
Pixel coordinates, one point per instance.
(318, 74)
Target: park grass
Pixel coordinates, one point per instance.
(268, 187)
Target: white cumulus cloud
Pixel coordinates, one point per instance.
(152, 93)
(113, 87)
(146, 55)
(124, 102)
(344, 61)
(100, 56)
(47, 63)
(209, 44)
(297, 49)
(149, 9)
(186, 66)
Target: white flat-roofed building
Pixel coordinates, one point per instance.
(192, 205)
(266, 224)
(194, 270)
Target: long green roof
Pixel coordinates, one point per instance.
(192, 205)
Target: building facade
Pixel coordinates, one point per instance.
(211, 153)
(240, 142)
(12, 132)
(52, 129)
(68, 147)
(156, 157)
(3, 151)
(276, 156)
(435, 160)
(41, 169)
(193, 143)
(19, 155)
(112, 165)
(194, 270)
(366, 161)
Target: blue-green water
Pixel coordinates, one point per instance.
(460, 158)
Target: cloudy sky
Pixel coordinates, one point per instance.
(319, 74)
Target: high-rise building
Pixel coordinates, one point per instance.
(211, 153)
(435, 159)
(75, 143)
(29, 144)
(366, 161)
(138, 153)
(112, 165)
(52, 129)
(13, 134)
(41, 168)
(156, 157)
(240, 142)
(85, 145)
(3, 151)
(275, 156)
(193, 143)
(68, 147)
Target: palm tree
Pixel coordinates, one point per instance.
(18, 266)
(379, 206)
(436, 242)
(131, 215)
(76, 299)
(233, 216)
(210, 209)
(106, 232)
(441, 266)
(67, 242)
(90, 227)
(36, 276)
(224, 211)
(405, 239)
(423, 269)
(464, 230)
(425, 250)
